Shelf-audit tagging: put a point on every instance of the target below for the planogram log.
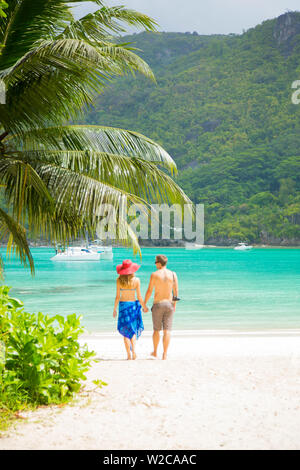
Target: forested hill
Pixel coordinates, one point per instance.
(222, 108)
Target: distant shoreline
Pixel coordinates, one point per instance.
(3, 245)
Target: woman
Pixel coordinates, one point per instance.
(130, 322)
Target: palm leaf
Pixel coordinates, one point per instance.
(58, 78)
(17, 241)
(26, 22)
(135, 175)
(52, 83)
(84, 196)
(22, 184)
(98, 26)
(95, 138)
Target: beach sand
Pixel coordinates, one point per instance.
(217, 390)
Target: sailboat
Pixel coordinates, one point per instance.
(105, 251)
(242, 246)
(76, 253)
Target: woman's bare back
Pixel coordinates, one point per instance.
(128, 292)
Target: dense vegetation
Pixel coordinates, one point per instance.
(222, 108)
(41, 361)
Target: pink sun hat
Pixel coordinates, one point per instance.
(127, 267)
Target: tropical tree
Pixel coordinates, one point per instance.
(56, 175)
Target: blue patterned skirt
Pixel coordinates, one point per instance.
(130, 320)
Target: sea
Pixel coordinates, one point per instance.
(220, 288)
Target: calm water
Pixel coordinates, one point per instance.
(220, 288)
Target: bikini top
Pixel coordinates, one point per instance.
(128, 288)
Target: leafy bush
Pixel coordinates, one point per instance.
(44, 363)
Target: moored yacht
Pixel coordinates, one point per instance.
(105, 251)
(193, 246)
(243, 246)
(76, 253)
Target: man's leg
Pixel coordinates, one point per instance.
(167, 326)
(157, 322)
(156, 338)
(166, 342)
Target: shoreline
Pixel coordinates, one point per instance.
(282, 332)
(4, 245)
(198, 345)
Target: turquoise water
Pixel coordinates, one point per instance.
(220, 288)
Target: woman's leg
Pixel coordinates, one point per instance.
(127, 346)
(133, 340)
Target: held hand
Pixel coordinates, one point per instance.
(115, 313)
(145, 309)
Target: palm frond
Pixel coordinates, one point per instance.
(83, 197)
(26, 22)
(17, 241)
(135, 175)
(95, 138)
(22, 186)
(99, 26)
(52, 83)
(126, 59)
(83, 194)
(59, 78)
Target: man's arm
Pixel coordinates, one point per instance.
(175, 288)
(150, 288)
(175, 285)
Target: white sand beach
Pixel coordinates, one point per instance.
(217, 390)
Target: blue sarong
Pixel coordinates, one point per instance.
(130, 320)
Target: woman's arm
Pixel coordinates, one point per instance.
(150, 289)
(117, 299)
(139, 296)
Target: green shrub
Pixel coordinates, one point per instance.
(43, 363)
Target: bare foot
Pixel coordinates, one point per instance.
(128, 358)
(133, 355)
(154, 354)
(164, 356)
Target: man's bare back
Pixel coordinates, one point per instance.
(163, 281)
(163, 285)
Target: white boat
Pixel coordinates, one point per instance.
(193, 246)
(243, 246)
(76, 253)
(104, 251)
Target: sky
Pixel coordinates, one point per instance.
(205, 17)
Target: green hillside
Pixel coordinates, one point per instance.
(222, 108)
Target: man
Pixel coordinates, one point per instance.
(163, 281)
